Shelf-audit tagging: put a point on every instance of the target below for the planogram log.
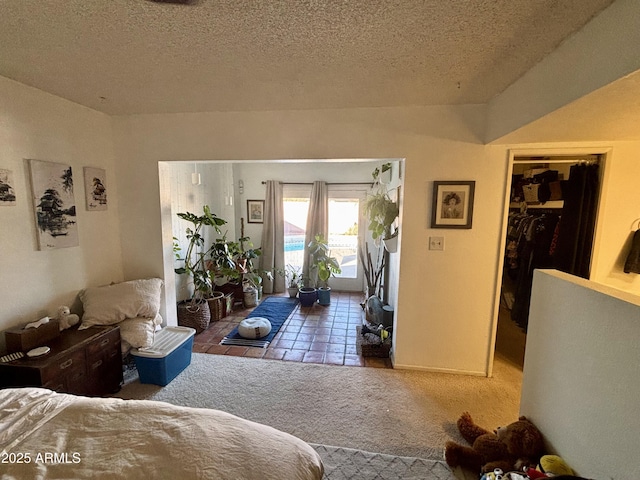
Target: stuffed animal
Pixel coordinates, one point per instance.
(66, 318)
(510, 448)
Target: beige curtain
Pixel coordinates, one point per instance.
(273, 236)
(317, 220)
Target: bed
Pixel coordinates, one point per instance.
(48, 435)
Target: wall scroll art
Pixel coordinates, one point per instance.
(54, 204)
(95, 188)
(7, 193)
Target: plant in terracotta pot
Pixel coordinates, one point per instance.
(324, 266)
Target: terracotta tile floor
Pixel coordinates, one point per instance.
(318, 334)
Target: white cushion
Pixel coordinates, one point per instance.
(139, 332)
(254, 327)
(112, 304)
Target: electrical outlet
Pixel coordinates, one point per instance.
(436, 243)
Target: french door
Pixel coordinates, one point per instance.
(346, 232)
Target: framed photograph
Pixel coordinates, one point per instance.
(95, 188)
(255, 211)
(54, 204)
(452, 204)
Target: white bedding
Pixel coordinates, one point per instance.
(47, 435)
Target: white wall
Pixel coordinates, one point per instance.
(438, 143)
(214, 190)
(580, 381)
(445, 303)
(36, 125)
(445, 309)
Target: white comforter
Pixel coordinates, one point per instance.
(47, 435)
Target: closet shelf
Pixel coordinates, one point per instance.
(549, 204)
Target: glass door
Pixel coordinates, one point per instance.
(346, 232)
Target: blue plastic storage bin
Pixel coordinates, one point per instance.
(169, 355)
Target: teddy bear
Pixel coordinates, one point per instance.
(510, 448)
(65, 318)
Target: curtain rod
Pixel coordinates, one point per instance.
(332, 183)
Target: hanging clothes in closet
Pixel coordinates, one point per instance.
(559, 238)
(530, 245)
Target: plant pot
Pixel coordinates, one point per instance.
(250, 297)
(308, 296)
(293, 292)
(195, 315)
(324, 295)
(391, 244)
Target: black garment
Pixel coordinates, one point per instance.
(575, 236)
(632, 265)
(533, 253)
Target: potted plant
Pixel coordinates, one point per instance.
(307, 293)
(195, 312)
(324, 266)
(382, 213)
(293, 277)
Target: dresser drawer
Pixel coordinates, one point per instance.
(104, 343)
(64, 366)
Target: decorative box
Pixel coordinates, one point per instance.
(19, 339)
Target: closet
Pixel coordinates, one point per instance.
(551, 224)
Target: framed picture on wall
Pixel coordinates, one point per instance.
(255, 211)
(452, 204)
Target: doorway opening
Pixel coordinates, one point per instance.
(228, 186)
(550, 221)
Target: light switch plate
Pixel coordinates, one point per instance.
(436, 243)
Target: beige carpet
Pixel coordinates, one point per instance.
(395, 412)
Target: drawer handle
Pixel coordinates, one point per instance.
(66, 364)
(104, 342)
(96, 365)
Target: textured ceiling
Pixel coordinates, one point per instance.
(135, 56)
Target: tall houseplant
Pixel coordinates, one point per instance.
(324, 266)
(195, 259)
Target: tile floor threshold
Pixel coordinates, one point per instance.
(318, 334)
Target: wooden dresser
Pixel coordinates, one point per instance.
(84, 362)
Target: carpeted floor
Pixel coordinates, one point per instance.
(394, 412)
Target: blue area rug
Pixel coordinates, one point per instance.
(276, 310)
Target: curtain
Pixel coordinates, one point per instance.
(273, 236)
(575, 232)
(317, 220)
